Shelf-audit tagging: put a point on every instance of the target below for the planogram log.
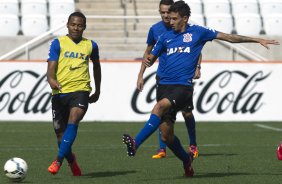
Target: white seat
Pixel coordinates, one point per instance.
(34, 24)
(10, 25)
(58, 20)
(195, 6)
(34, 7)
(61, 7)
(9, 7)
(270, 6)
(197, 19)
(220, 22)
(248, 24)
(244, 6)
(273, 24)
(216, 6)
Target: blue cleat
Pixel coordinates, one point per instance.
(130, 144)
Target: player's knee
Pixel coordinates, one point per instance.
(167, 139)
(160, 108)
(187, 115)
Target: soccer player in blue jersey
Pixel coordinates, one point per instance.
(183, 46)
(155, 31)
(68, 76)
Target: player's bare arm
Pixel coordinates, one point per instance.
(198, 68)
(51, 73)
(140, 80)
(233, 38)
(150, 60)
(97, 78)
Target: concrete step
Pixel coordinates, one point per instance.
(113, 34)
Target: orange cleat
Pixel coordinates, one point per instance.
(54, 167)
(75, 169)
(160, 154)
(194, 150)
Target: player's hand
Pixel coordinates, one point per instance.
(94, 97)
(54, 84)
(197, 74)
(148, 62)
(140, 83)
(265, 43)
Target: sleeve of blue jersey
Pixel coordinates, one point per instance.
(95, 51)
(150, 38)
(54, 51)
(159, 46)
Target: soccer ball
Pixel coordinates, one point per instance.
(15, 169)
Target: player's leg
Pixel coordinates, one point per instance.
(150, 127)
(161, 152)
(173, 143)
(279, 151)
(191, 129)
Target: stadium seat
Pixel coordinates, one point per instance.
(9, 7)
(34, 25)
(197, 19)
(34, 7)
(216, 6)
(273, 24)
(10, 25)
(248, 24)
(61, 7)
(195, 5)
(244, 6)
(220, 22)
(58, 20)
(270, 6)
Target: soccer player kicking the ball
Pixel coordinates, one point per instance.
(68, 76)
(183, 46)
(155, 31)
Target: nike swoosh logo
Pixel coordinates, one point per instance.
(168, 41)
(81, 105)
(74, 68)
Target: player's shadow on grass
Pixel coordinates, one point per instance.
(216, 154)
(107, 174)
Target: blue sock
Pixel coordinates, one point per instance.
(150, 127)
(68, 156)
(191, 129)
(161, 142)
(67, 140)
(178, 150)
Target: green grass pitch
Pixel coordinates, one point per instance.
(228, 153)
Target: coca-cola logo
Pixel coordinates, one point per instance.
(24, 91)
(232, 91)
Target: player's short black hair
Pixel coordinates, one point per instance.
(78, 14)
(166, 2)
(181, 8)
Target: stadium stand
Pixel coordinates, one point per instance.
(273, 24)
(252, 21)
(220, 21)
(116, 35)
(244, 6)
(33, 7)
(9, 7)
(34, 24)
(10, 25)
(216, 6)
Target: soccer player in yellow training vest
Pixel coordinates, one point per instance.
(68, 76)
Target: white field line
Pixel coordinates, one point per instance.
(269, 127)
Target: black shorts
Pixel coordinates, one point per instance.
(61, 105)
(180, 96)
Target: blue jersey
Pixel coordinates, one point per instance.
(154, 33)
(182, 51)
